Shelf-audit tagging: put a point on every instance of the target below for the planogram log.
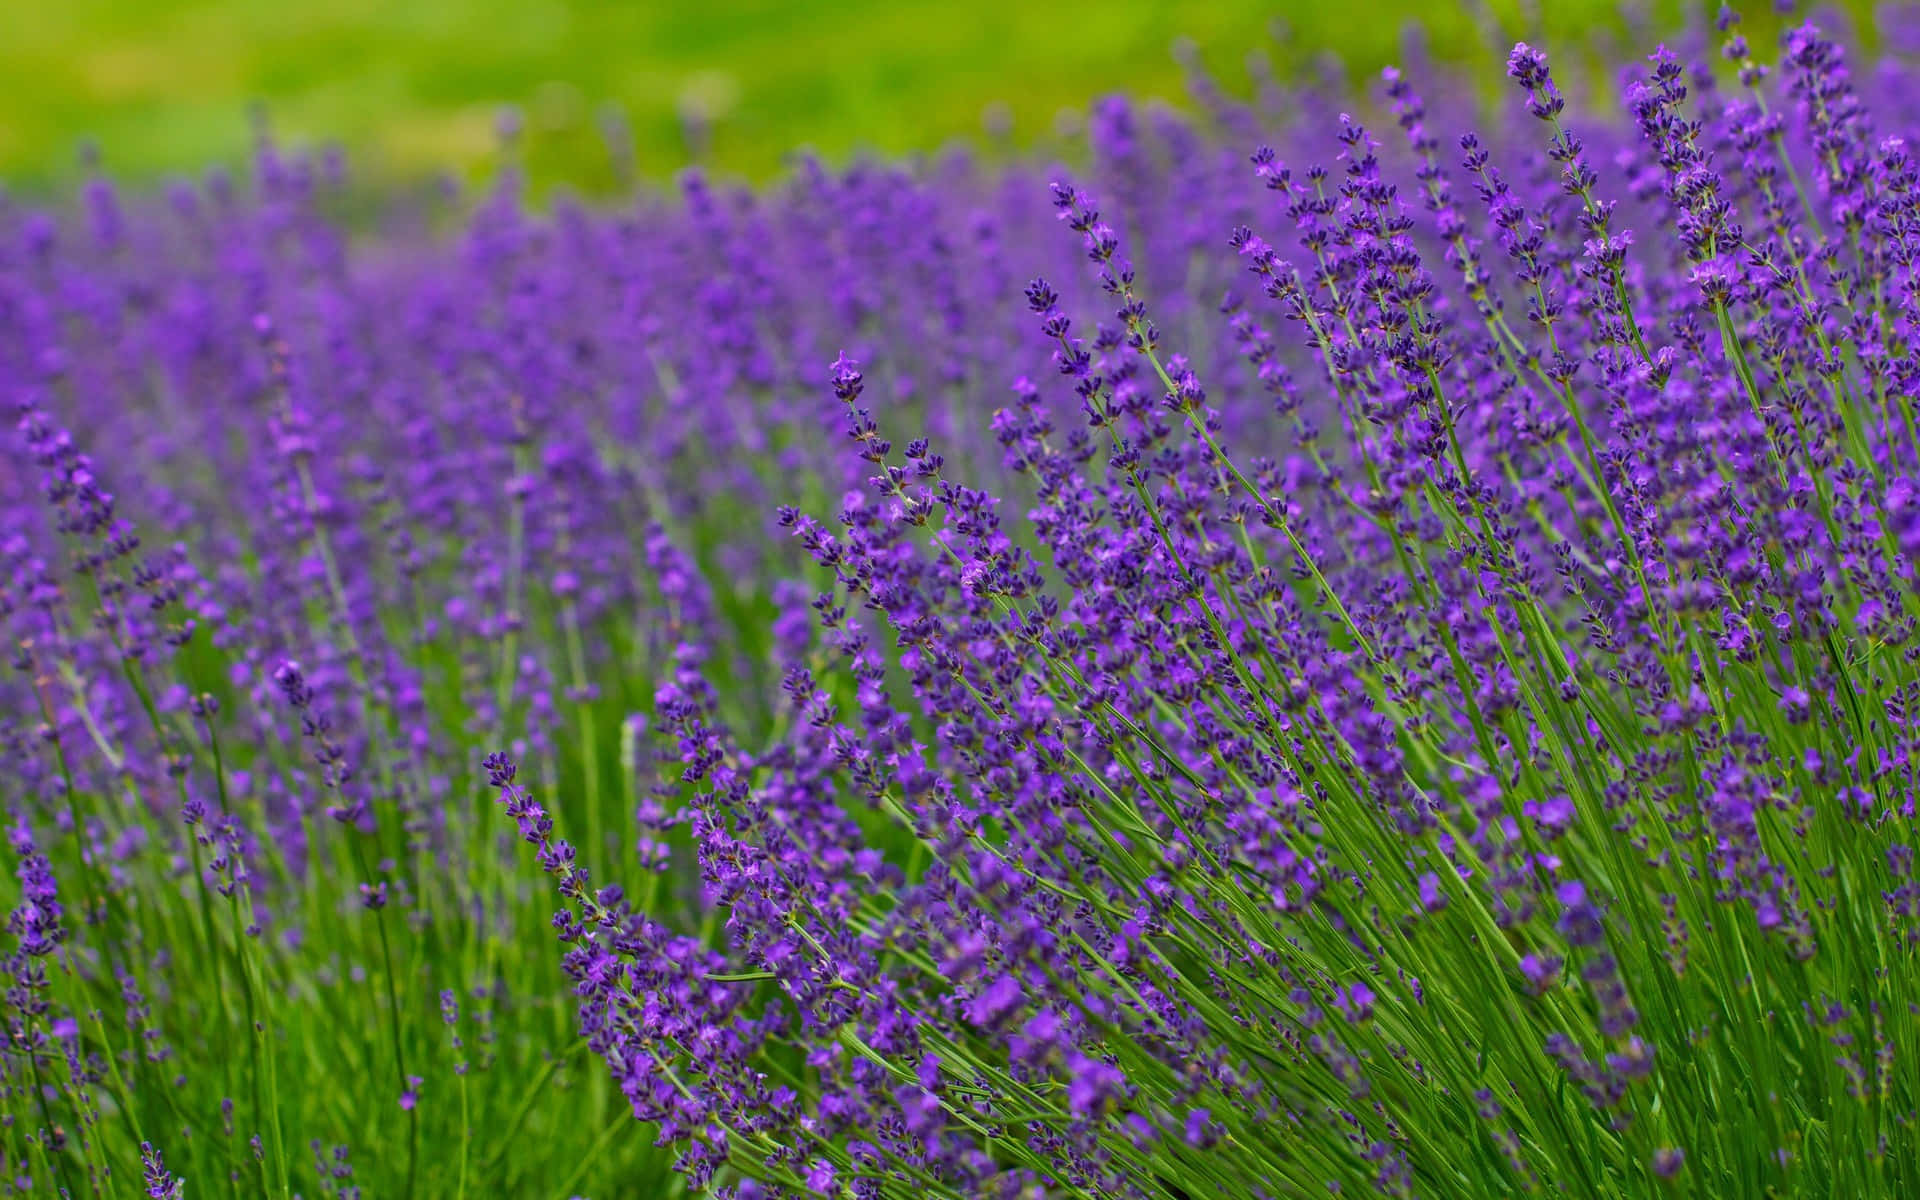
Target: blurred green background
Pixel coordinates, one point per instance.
(411, 86)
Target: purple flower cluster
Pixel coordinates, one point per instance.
(1298, 655)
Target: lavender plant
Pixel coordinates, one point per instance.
(1363, 661)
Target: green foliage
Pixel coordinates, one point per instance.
(410, 86)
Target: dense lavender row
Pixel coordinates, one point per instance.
(1386, 669)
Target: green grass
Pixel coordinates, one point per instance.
(411, 86)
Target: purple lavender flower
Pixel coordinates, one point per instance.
(161, 1183)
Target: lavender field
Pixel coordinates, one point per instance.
(1338, 645)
